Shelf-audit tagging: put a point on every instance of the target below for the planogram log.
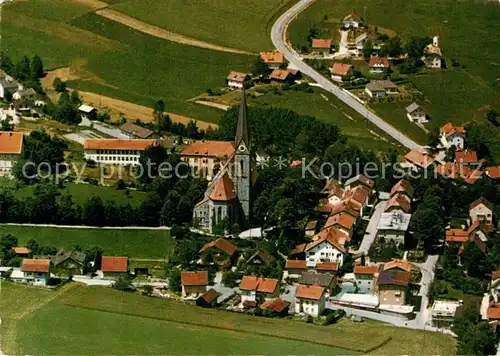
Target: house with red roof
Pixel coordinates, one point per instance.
(277, 307)
(36, 272)
(194, 283)
(343, 222)
(325, 249)
(493, 172)
(451, 135)
(11, 148)
(466, 157)
(255, 290)
(310, 300)
(321, 45)
(481, 210)
(366, 277)
(221, 251)
(294, 268)
(340, 71)
(114, 266)
(378, 65)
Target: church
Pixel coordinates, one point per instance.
(228, 195)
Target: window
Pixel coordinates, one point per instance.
(397, 293)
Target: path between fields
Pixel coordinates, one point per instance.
(162, 33)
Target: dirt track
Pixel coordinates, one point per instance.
(162, 33)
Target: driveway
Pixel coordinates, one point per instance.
(225, 292)
(423, 317)
(278, 33)
(289, 296)
(343, 50)
(371, 229)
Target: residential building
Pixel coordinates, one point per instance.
(332, 233)
(24, 94)
(261, 257)
(237, 80)
(493, 172)
(21, 108)
(208, 299)
(255, 290)
(393, 287)
(135, 131)
(8, 84)
(455, 170)
(495, 285)
(466, 157)
(481, 211)
(359, 196)
(310, 228)
(378, 65)
(21, 251)
(116, 151)
(278, 307)
(36, 272)
(11, 148)
(273, 59)
(340, 71)
(114, 267)
(321, 46)
(352, 20)
(404, 188)
(295, 268)
(416, 113)
(333, 189)
(343, 222)
(87, 113)
(68, 262)
(443, 312)
(310, 300)
(221, 251)
(366, 277)
(206, 157)
(381, 88)
(359, 180)
(432, 54)
(416, 160)
(393, 226)
(325, 249)
(227, 198)
(397, 264)
(347, 206)
(327, 267)
(451, 135)
(194, 283)
(398, 203)
(325, 280)
(282, 76)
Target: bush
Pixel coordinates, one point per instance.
(309, 319)
(229, 279)
(124, 284)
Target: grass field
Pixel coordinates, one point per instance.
(136, 243)
(132, 324)
(468, 33)
(239, 24)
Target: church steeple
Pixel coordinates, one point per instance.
(242, 127)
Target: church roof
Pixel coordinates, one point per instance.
(242, 128)
(223, 189)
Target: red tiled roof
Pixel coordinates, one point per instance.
(420, 159)
(341, 69)
(309, 292)
(456, 170)
(30, 265)
(493, 172)
(365, 269)
(378, 61)
(457, 235)
(398, 201)
(237, 76)
(117, 144)
(11, 142)
(403, 186)
(347, 206)
(495, 275)
(114, 264)
(221, 149)
(280, 74)
(359, 194)
(328, 238)
(404, 265)
(296, 264)
(259, 284)
(327, 266)
(221, 244)
(224, 189)
(194, 278)
(272, 57)
(277, 305)
(21, 250)
(321, 43)
(494, 312)
(343, 220)
(450, 129)
(331, 233)
(465, 156)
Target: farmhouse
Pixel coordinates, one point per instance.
(432, 54)
(11, 148)
(403, 187)
(310, 300)
(23, 107)
(254, 290)
(24, 94)
(87, 113)
(416, 113)
(359, 180)
(273, 59)
(365, 277)
(353, 20)
(397, 264)
(398, 203)
(134, 131)
(237, 80)
(194, 283)
(481, 211)
(340, 70)
(378, 65)
(466, 157)
(451, 135)
(381, 88)
(321, 46)
(114, 266)
(334, 191)
(116, 151)
(68, 262)
(36, 272)
(393, 226)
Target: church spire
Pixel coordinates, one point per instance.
(242, 128)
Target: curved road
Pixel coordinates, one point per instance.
(278, 34)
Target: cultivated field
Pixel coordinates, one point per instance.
(138, 243)
(468, 34)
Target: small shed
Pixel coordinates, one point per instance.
(208, 299)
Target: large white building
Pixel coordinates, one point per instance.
(393, 226)
(11, 148)
(324, 249)
(451, 135)
(116, 151)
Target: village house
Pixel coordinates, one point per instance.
(352, 20)
(451, 135)
(8, 85)
(346, 206)
(278, 307)
(459, 236)
(393, 226)
(221, 251)
(310, 300)
(324, 249)
(273, 59)
(68, 262)
(495, 286)
(24, 94)
(378, 65)
(310, 228)
(381, 88)
(393, 287)
(340, 71)
(321, 46)
(325, 280)
(194, 283)
(295, 268)
(208, 299)
(114, 267)
(481, 211)
(255, 290)
(333, 191)
(343, 222)
(493, 172)
(359, 180)
(21, 108)
(116, 151)
(281, 76)
(455, 170)
(261, 257)
(397, 264)
(205, 157)
(398, 203)
(466, 157)
(416, 160)
(11, 148)
(237, 80)
(416, 113)
(36, 272)
(87, 113)
(366, 277)
(135, 131)
(444, 312)
(433, 57)
(404, 188)
(21, 251)
(359, 196)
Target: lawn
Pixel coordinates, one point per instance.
(244, 24)
(468, 34)
(138, 243)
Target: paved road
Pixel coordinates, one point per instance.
(423, 317)
(278, 32)
(371, 229)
